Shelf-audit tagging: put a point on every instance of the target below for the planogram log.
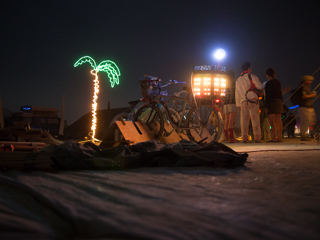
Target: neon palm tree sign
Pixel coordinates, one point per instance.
(113, 72)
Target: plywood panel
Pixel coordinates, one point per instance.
(140, 132)
(135, 134)
(173, 137)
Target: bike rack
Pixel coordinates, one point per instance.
(129, 132)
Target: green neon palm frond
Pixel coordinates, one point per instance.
(85, 59)
(111, 69)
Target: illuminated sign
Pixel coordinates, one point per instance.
(209, 68)
(205, 85)
(113, 72)
(202, 68)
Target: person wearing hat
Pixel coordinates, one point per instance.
(306, 108)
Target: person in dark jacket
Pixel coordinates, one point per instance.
(274, 103)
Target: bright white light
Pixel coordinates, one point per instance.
(219, 54)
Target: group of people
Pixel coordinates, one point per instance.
(245, 99)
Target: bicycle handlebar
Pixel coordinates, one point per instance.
(171, 82)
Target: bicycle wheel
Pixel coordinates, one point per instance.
(175, 107)
(174, 116)
(152, 117)
(204, 122)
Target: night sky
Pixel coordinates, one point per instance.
(41, 40)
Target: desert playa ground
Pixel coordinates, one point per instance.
(275, 195)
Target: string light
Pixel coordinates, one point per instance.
(113, 72)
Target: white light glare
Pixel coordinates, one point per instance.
(219, 54)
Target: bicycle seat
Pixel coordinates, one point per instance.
(188, 89)
(133, 103)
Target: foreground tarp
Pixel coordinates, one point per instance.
(72, 155)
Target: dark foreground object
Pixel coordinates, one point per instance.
(72, 155)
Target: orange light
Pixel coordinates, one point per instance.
(223, 82)
(94, 103)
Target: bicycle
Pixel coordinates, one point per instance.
(128, 114)
(208, 120)
(197, 122)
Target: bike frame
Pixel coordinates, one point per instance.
(156, 103)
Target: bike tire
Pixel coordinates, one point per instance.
(204, 122)
(152, 117)
(174, 116)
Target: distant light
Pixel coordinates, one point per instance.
(293, 107)
(219, 54)
(217, 100)
(26, 108)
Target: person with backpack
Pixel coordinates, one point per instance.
(248, 87)
(306, 109)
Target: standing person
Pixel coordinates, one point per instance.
(274, 105)
(306, 109)
(264, 120)
(230, 110)
(248, 102)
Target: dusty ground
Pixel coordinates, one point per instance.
(276, 195)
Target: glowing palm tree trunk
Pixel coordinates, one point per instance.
(94, 104)
(113, 72)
